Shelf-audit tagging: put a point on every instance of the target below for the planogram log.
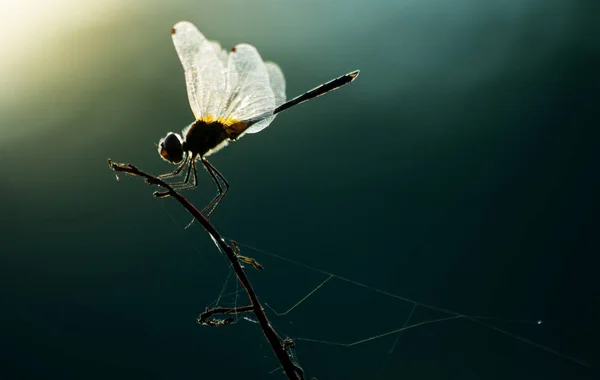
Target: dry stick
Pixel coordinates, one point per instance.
(207, 318)
(279, 347)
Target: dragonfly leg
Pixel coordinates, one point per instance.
(176, 172)
(214, 173)
(182, 185)
(187, 175)
(185, 184)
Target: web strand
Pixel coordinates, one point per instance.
(534, 344)
(237, 292)
(301, 300)
(345, 279)
(400, 333)
(223, 289)
(365, 340)
(454, 315)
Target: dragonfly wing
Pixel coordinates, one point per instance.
(248, 84)
(221, 53)
(277, 82)
(202, 62)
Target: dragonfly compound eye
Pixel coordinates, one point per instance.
(170, 148)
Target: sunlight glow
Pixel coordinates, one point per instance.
(30, 28)
(33, 21)
(45, 54)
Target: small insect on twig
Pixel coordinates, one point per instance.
(247, 260)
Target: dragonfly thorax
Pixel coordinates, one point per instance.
(202, 138)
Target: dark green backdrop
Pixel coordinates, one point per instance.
(460, 170)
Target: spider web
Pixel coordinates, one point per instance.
(418, 316)
(321, 330)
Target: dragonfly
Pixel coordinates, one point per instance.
(231, 93)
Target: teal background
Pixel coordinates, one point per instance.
(459, 170)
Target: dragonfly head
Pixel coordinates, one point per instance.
(170, 148)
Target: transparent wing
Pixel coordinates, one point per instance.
(204, 70)
(248, 84)
(277, 82)
(221, 53)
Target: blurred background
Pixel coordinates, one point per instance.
(459, 170)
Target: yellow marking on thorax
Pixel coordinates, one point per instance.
(226, 121)
(233, 127)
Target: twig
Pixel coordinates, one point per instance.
(208, 317)
(277, 344)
